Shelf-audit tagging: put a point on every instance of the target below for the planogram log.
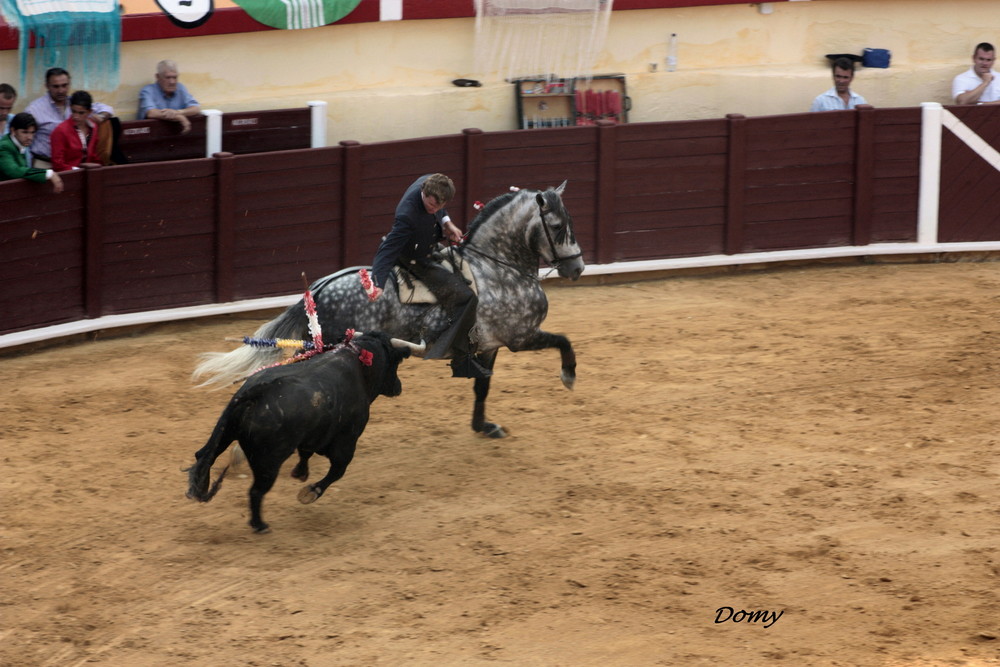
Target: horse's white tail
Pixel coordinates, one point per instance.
(220, 369)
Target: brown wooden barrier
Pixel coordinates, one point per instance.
(282, 219)
(158, 140)
(263, 131)
(670, 189)
(157, 236)
(167, 234)
(242, 132)
(799, 181)
(41, 254)
(970, 187)
(895, 183)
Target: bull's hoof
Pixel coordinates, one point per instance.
(300, 472)
(263, 529)
(491, 430)
(568, 378)
(237, 459)
(308, 495)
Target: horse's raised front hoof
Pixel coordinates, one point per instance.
(568, 378)
(491, 430)
(308, 495)
(300, 472)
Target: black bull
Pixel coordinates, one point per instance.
(316, 406)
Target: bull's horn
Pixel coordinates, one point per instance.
(417, 350)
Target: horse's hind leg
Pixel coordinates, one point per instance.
(543, 340)
(482, 390)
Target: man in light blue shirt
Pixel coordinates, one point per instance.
(840, 97)
(168, 99)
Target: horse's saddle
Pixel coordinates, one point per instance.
(412, 290)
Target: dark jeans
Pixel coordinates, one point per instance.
(458, 300)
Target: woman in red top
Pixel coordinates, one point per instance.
(74, 141)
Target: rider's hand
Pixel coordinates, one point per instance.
(452, 232)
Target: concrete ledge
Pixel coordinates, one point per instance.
(126, 323)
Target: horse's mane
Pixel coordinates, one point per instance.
(552, 200)
(487, 211)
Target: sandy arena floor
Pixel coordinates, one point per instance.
(819, 443)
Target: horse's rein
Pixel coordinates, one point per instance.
(517, 269)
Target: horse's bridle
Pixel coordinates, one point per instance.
(556, 259)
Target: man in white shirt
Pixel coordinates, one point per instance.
(980, 84)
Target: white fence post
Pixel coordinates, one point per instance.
(317, 119)
(930, 172)
(213, 132)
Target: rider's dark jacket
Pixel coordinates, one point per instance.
(414, 233)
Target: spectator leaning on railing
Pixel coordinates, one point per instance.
(15, 156)
(167, 99)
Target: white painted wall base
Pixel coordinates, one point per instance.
(810, 254)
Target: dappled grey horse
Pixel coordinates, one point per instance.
(503, 247)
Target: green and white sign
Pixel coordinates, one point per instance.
(297, 14)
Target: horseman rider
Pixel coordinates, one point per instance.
(421, 221)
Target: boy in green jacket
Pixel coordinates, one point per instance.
(14, 153)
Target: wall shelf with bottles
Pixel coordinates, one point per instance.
(571, 102)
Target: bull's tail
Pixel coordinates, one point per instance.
(220, 369)
(200, 472)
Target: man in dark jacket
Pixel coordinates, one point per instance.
(421, 221)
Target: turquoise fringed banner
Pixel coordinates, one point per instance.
(81, 36)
